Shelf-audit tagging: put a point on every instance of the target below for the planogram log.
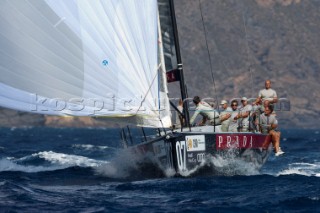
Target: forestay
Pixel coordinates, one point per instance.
(83, 58)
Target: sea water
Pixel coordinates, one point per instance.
(86, 170)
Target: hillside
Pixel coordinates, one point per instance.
(249, 41)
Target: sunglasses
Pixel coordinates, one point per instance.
(234, 105)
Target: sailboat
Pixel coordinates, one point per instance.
(110, 59)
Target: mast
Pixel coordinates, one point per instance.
(179, 62)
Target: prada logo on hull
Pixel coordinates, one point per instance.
(225, 141)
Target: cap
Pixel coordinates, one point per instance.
(223, 102)
(244, 99)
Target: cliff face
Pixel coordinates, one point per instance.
(249, 41)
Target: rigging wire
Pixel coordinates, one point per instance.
(149, 89)
(248, 53)
(205, 35)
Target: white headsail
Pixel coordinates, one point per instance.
(83, 58)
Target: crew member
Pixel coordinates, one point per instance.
(225, 116)
(243, 115)
(268, 125)
(207, 112)
(233, 124)
(266, 94)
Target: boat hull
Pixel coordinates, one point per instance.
(191, 153)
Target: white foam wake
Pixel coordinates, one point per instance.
(230, 166)
(129, 164)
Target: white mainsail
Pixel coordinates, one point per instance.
(83, 58)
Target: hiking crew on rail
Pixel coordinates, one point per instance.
(258, 117)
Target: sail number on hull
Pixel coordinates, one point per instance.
(190, 152)
(181, 155)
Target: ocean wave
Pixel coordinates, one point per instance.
(8, 165)
(52, 160)
(315, 198)
(305, 169)
(89, 147)
(68, 160)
